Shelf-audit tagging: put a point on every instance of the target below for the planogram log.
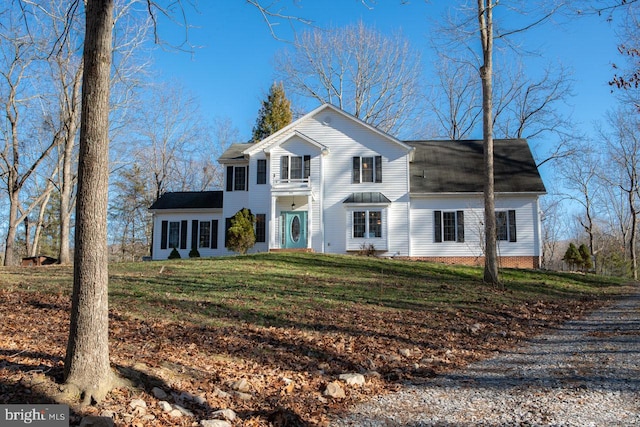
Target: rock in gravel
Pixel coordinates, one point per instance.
(183, 410)
(405, 352)
(165, 406)
(215, 423)
(334, 390)
(159, 393)
(242, 385)
(353, 379)
(227, 414)
(242, 396)
(137, 403)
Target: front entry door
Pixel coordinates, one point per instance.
(295, 230)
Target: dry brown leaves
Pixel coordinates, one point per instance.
(287, 368)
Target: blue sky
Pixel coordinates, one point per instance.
(231, 71)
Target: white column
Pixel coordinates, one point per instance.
(309, 220)
(272, 224)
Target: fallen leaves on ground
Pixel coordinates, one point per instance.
(285, 369)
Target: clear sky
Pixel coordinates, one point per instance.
(232, 70)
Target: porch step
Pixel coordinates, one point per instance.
(302, 250)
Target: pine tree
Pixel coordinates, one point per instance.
(587, 264)
(572, 256)
(241, 235)
(274, 114)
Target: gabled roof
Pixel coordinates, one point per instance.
(457, 167)
(276, 136)
(189, 200)
(305, 138)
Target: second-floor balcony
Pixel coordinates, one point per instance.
(292, 184)
(292, 187)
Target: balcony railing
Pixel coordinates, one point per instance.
(291, 183)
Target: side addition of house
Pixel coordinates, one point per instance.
(330, 183)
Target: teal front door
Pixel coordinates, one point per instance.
(294, 233)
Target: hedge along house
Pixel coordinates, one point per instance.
(330, 183)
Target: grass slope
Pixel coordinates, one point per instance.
(288, 323)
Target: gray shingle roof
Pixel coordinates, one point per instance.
(457, 167)
(234, 152)
(189, 200)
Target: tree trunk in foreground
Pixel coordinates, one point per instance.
(87, 370)
(485, 18)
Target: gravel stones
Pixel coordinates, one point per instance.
(582, 374)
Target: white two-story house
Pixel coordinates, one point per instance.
(330, 183)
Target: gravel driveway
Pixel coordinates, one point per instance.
(585, 373)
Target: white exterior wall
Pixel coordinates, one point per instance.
(345, 139)
(422, 226)
(189, 216)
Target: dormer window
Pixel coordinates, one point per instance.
(367, 169)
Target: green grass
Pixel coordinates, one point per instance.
(281, 289)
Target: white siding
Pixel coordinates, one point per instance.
(189, 216)
(345, 139)
(422, 226)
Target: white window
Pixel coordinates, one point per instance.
(367, 169)
(174, 234)
(448, 226)
(295, 167)
(506, 225)
(367, 224)
(205, 234)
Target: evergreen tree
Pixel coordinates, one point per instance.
(241, 235)
(587, 264)
(572, 256)
(274, 114)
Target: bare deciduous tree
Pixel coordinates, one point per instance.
(455, 98)
(20, 155)
(374, 77)
(623, 143)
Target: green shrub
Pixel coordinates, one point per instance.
(241, 236)
(193, 253)
(174, 254)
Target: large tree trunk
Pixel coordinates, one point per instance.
(87, 369)
(485, 18)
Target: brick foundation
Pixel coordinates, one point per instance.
(505, 261)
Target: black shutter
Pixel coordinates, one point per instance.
(460, 226)
(284, 167)
(356, 170)
(378, 165)
(214, 234)
(262, 172)
(165, 234)
(229, 178)
(246, 179)
(437, 226)
(512, 226)
(194, 234)
(183, 234)
(307, 167)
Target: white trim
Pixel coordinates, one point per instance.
(274, 137)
